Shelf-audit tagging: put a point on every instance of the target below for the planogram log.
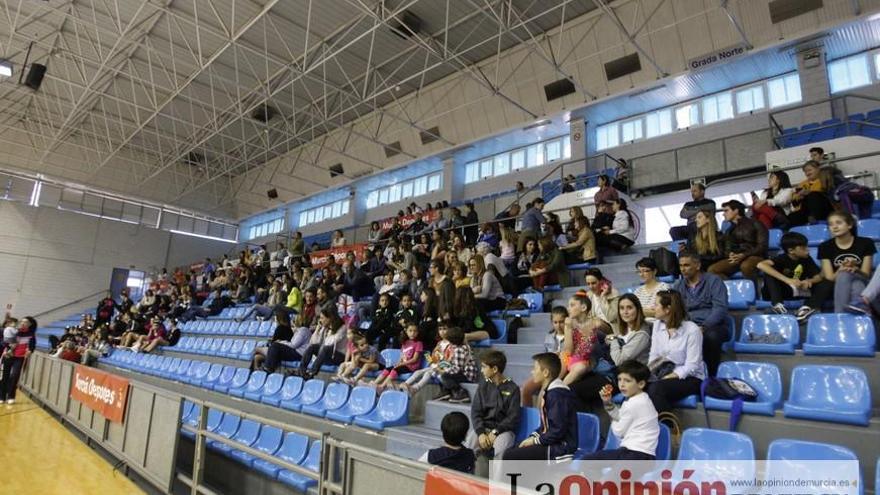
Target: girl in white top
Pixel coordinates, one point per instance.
(338, 239)
(679, 342)
(623, 223)
(508, 247)
(774, 203)
(647, 292)
(634, 422)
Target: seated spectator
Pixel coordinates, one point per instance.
(531, 223)
(705, 300)
(553, 228)
(462, 369)
(603, 298)
(440, 357)
(276, 297)
(556, 438)
(410, 357)
(571, 230)
(745, 244)
(507, 247)
(635, 422)
(106, 308)
(326, 344)
(355, 283)
(488, 235)
(338, 239)
(460, 275)
(375, 233)
(439, 246)
(621, 176)
(690, 209)
(550, 267)
(632, 341)
(581, 338)
(527, 257)
(568, 183)
(846, 263)
(495, 412)
(583, 248)
(792, 274)
(605, 193)
(773, 205)
(158, 336)
(439, 223)
(471, 318)
(382, 332)
(621, 234)
(459, 248)
(486, 286)
(810, 201)
(68, 351)
(364, 358)
(604, 218)
(282, 332)
(453, 454)
(647, 292)
(373, 265)
(288, 350)
(676, 359)
(705, 239)
(555, 343)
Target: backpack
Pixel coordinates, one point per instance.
(666, 260)
(855, 198)
(732, 389)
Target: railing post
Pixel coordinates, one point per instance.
(198, 468)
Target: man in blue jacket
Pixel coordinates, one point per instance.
(705, 299)
(557, 437)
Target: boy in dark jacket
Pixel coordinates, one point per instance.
(494, 411)
(557, 437)
(452, 455)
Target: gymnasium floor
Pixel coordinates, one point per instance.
(39, 456)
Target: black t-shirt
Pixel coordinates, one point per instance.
(861, 247)
(461, 459)
(282, 332)
(798, 269)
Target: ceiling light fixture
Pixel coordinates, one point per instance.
(5, 68)
(539, 123)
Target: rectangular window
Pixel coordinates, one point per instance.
(717, 107)
(517, 159)
(372, 200)
(421, 185)
(686, 116)
(535, 155)
(784, 90)
(346, 204)
(553, 150)
(383, 196)
(848, 73)
(337, 209)
(607, 136)
(631, 130)
(658, 123)
(485, 168)
(472, 173)
(406, 190)
(434, 182)
(750, 99)
(303, 216)
(566, 147)
(502, 164)
(394, 193)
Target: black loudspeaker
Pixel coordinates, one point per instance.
(336, 170)
(272, 193)
(622, 66)
(558, 89)
(35, 76)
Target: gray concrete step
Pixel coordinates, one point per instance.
(532, 335)
(412, 441)
(519, 353)
(435, 410)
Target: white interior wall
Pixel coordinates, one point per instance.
(51, 257)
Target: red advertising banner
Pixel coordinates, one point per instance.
(101, 392)
(453, 483)
(407, 220)
(320, 258)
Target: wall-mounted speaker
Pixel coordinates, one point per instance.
(781, 10)
(622, 66)
(558, 89)
(35, 76)
(336, 170)
(272, 193)
(406, 25)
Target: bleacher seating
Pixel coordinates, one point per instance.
(763, 377)
(703, 444)
(838, 394)
(840, 335)
(664, 443)
(334, 397)
(786, 326)
(391, 410)
(588, 434)
(740, 294)
(311, 393)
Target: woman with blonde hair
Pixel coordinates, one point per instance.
(705, 239)
(486, 285)
(571, 228)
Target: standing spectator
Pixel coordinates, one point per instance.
(106, 307)
(531, 223)
(15, 356)
(605, 192)
(508, 217)
(745, 245)
(792, 273)
(495, 412)
(689, 210)
(704, 296)
(676, 359)
(471, 221)
(556, 438)
(810, 201)
(772, 207)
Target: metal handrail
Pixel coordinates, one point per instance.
(776, 127)
(70, 303)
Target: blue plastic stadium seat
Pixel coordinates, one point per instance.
(235, 349)
(774, 236)
(703, 444)
(247, 350)
(840, 335)
(238, 383)
(253, 385)
(289, 390)
(763, 377)
(360, 403)
(266, 328)
(211, 377)
(312, 391)
(293, 450)
(311, 462)
(168, 373)
(785, 325)
(689, 402)
(731, 334)
(529, 421)
(177, 374)
(201, 371)
(552, 288)
(815, 234)
(270, 387)
(225, 378)
(838, 394)
(391, 410)
(875, 209)
(870, 227)
(334, 397)
(389, 357)
(535, 301)
(225, 348)
(228, 427)
(213, 422)
(268, 442)
(588, 434)
(664, 443)
(247, 435)
(501, 325)
(785, 449)
(740, 293)
(226, 381)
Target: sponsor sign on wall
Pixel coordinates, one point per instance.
(101, 392)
